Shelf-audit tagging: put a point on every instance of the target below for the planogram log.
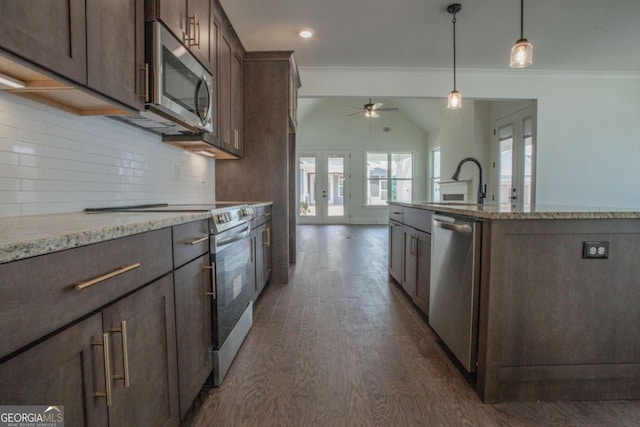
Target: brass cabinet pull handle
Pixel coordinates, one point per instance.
(119, 271)
(125, 354)
(144, 93)
(190, 38)
(213, 292)
(196, 241)
(107, 370)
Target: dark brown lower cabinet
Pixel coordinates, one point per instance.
(263, 256)
(143, 337)
(69, 369)
(396, 249)
(423, 268)
(65, 370)
(193, 286)
(417, 266)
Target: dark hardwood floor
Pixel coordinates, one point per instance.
(341, 345)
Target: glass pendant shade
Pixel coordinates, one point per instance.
(454, 102)
(521, 54)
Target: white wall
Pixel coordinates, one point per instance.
(52, 162)
(328, 126)
(588, 140)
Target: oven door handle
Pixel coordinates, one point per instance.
(228, 240)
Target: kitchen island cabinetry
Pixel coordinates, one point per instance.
(396, 249)
(554, 323)
(410, 252)
(417, 266)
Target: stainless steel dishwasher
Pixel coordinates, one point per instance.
(453, 302)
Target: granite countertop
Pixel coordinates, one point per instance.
(499, 212)
(29, 236)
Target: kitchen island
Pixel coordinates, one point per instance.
(558, 310)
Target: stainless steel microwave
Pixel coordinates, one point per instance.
(179, 90)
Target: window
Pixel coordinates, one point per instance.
(435, 174)
(389, 177)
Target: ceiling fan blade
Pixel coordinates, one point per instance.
(356, 108)
(353, 114)
(377, 106)
(388, 109)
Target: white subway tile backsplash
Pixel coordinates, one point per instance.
(53, 162)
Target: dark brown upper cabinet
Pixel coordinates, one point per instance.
(77, 44)
(50, 34)
(191, 21)
(116, 27)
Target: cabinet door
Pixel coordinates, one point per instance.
(115, 49)
(259, 239)
(199, 19)
(268, 253)
(224, 92)
(423, 271)
(396, 249)
(65, 370)
(293, 100)
(236, 104)
(410, 267)
(193, 285)
(174, 15)
(49, 33)
(152, 396)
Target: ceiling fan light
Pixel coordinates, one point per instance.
(454, 102)
(521, 54)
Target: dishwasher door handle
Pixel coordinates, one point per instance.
(458, 228)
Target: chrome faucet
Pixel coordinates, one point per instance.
(482, 189)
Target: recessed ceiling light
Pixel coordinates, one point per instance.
(306, 34)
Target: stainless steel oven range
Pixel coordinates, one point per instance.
(232, 279)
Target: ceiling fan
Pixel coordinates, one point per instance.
(370, 110)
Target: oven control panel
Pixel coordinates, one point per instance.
(227, 218)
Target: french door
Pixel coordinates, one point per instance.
(514, 159)
(323, 187)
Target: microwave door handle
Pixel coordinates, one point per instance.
(207, 117)
(196, 104)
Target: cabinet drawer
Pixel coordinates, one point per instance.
(190, 240)
(396, 213)
(261, 215)
(419, 219)
(39, 294)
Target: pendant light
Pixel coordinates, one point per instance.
(522, 51)
(454, 101)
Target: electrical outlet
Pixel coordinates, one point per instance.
(595, 250)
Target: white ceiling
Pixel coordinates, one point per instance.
(585, 35)
(570, 35)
